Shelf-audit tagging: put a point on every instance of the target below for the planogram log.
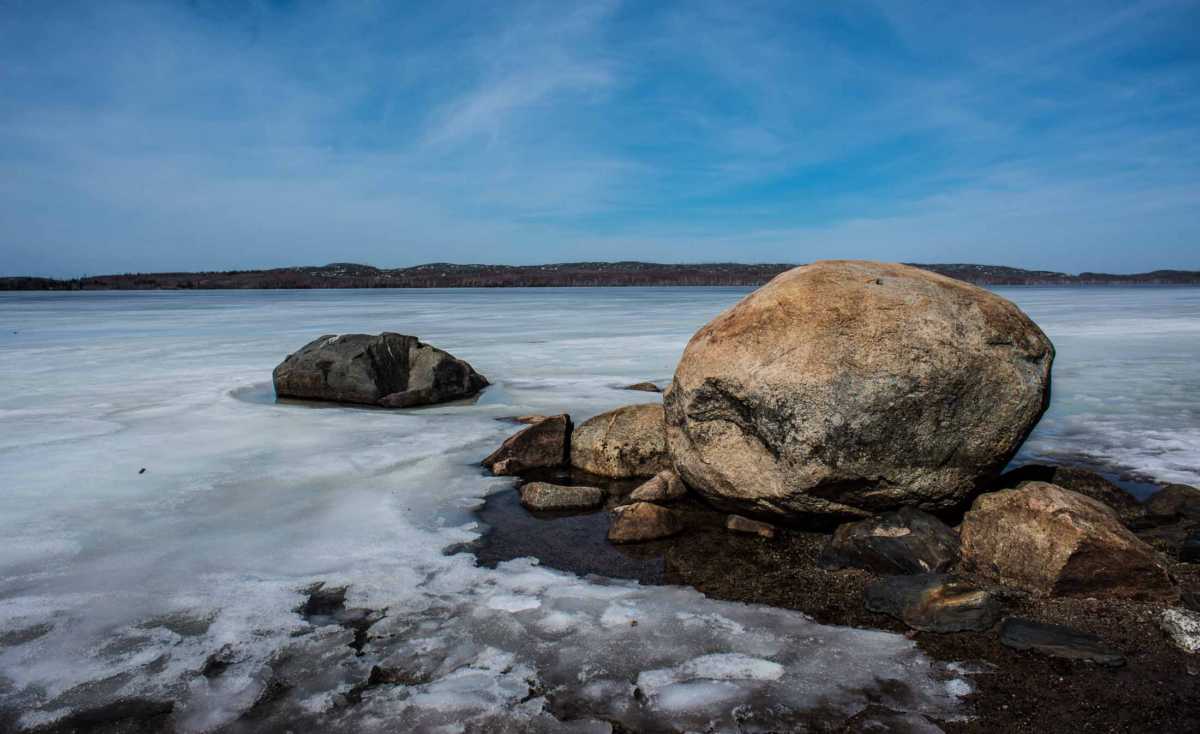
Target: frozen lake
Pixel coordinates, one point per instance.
(119, 584)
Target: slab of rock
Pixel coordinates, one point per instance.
(1081, 481)
(622, 443)
(934, 603)
(1051, 541)
(1182, 627)
(644, 387)
(643, 521)
(544, 444)
(389, 370)
(662, 487)
(544, 496)
(851, 387)
(907, 541)
(739, 524)
(1057, 641)
(1173, 502)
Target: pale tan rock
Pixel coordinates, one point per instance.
(622, 443)
(643, 521)
(852, 387)
(1053, 542)
(739, 524)
(546, 496)
(663, 487)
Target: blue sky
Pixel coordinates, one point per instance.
(139, 136)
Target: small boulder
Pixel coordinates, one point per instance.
(643, 521)
(1057, 641)
(622, 443)
(739, 524)
(1182, 627)
(906, 541)
(543, 444)
(1050, 541)
(389, 370)
(934, 603)
(543, 496)
(1081, 481)
(644, 387)
(663, 487)
(1173, 502)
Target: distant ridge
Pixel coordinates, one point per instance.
(449, 275)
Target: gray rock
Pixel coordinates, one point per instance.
(662, 487)
(739, 524)
(1058, 642)
(643, 521)
(622, 443)
(389, 370)
(907, 541)
(544, 444)
(848, 388)
(644, 387)
(1182, 627)
(934, 603)
(545, 496)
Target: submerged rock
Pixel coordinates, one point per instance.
(1057, 641)
(663, 487)
(545, 496)
(622, 443)
(544, 444)
(934, 603)
(903, 542)
(389, 370)
(1182, 627)
(643, 521)
(644, 387)
(1050, 541)
(739, 524)
(1081, 481)
(851, 387)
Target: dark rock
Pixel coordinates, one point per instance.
(1080, 481)
(127, 715)
(663, 487)
(643, 521)
(934, 603)
(644, 387)
(390, 370)
(906, 541)
(1189, 552)
(547, 497)
(1053, 542)
(1057, 641)
(544, 444)
(327, 606)
(622, 443)
(739, 524)
(1173, 502)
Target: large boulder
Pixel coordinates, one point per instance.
(848, 388)
(544, 444)
(390, 370)
(622, 443)
(1050, 541)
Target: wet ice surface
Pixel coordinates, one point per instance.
(182, 583)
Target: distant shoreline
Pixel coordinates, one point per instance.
(581, 274)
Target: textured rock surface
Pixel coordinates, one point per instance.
(622, 443)
(903, 542)
(934, 603)
(391, 370)
(1081, 481)
(543, 444)
(1182, 627)
(644, 387)
(546, 496)
(850, 387)
(739, 524)
(662, 487)
(1050, 541)
(643, 521)
(1173, 502)
(1057, 641)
